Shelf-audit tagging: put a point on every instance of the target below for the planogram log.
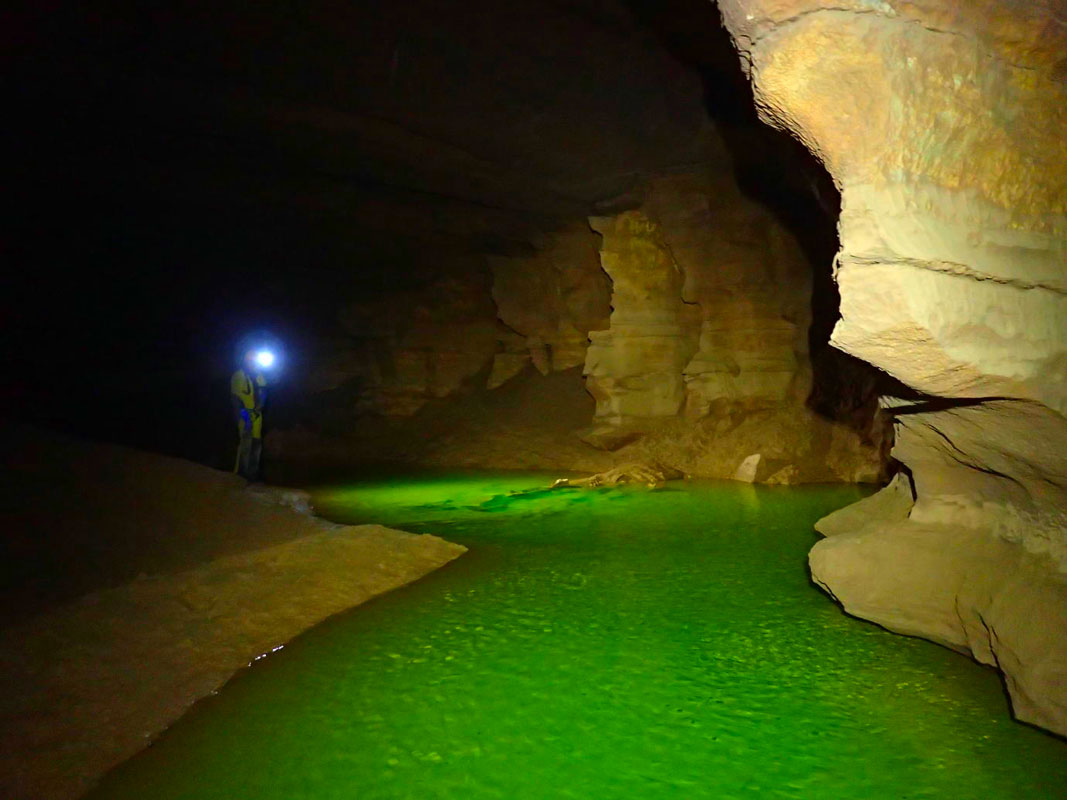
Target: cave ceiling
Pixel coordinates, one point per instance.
(455, 124)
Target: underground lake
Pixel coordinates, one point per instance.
(611, 643)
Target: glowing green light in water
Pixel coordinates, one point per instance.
(609, 644)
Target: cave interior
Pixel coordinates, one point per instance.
(777, 242)
(370, 200)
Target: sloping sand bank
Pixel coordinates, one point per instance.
(89, 681)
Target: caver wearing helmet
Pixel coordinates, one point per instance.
(248, 392)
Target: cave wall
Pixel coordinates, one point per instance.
(942, 124)
(706, 357)
(552, 300)
(635, 368)
(199, 174)
(407, 347)
(711, 301)
(689, 314)
(468, 322)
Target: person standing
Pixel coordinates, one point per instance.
(248, 392)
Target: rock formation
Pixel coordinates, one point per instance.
(635, 369)
(710, 303)
(553, 300)
(706, 356)
(422, 342)
(651, 475)
(477, 320)
(690, 314)
(942, 124)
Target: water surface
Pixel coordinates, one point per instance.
(618, 643)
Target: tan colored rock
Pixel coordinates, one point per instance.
(745, 353)
(100, 677)
(701, 275)
(707, 346)
(750, 282)
(786, 476)
(892, 504)
(689, 314)
(554, 298)
(748, 469)
(963, 588)
(634, 369)
(942, 124)
(505, 367)
(412, 346)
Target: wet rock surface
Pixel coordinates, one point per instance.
(651, 475)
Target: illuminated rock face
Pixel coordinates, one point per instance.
(706, 355)
(710, 303)
(690, 314)
(635, 369)
(942, 124)
(494, 315)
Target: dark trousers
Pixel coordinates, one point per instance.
(250, 446)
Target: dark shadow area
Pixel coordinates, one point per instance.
(184, 175)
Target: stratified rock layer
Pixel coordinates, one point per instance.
(635, 369)
(689, 313)
(942, 124)
(706, 353)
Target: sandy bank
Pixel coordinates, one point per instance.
(90, 680)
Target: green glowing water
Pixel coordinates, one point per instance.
(610, 644)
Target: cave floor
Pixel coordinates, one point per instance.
(611, 643)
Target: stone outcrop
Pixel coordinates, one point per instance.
(942, 124)
(478, 320)
(635, 369)
(706, 356)
(553, 300)
(407, 346)
(651, 475)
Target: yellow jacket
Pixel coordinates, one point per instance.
(248, 389)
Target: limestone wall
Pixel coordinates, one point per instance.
(711, 301)
(552, 300)
(400, 348)
(635, 369)
(706, 356)
(689, 313)
(942, 123)
(477, 321)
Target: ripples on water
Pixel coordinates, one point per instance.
(618, 643)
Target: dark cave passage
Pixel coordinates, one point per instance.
(758, 241)
(410, 216)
